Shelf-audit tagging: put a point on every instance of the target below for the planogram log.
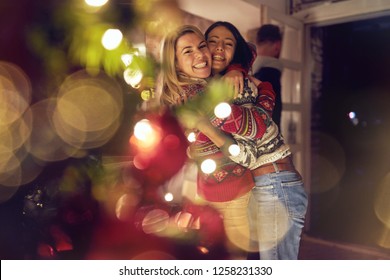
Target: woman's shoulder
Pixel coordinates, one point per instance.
(192, 89)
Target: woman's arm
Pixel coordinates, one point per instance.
(235, 78)
(219, 138)
(207, 133)
(249, 121)
(258, 114)
(266, 96)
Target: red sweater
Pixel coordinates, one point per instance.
(230, 180)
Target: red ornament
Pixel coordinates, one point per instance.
(160, 155)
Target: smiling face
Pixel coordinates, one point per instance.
(222, 45)
(193, 57)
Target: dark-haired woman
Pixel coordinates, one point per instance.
(279, 197)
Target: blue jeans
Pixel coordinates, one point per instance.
(277, 214)
(236, 224)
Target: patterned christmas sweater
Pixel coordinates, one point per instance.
(247, 122)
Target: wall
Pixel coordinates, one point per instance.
(278, 5)
(153, 44)
(243, 15)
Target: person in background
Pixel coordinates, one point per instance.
(267, 66)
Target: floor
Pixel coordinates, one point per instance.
(318, 249)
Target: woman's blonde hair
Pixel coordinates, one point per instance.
(172, 79)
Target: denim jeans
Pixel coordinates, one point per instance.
(236, 224)
(277, 213)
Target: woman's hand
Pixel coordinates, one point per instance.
(256, 81)
(235, 78)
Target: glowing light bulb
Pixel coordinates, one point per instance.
(127, 59)
(96, 3)
(147, 135)
(143, 129)
(203, 250)
(141, 49)
(353, 118)
(208, 166)
(112, 38)
(133, 77)
(146, 94)
(234, 150)
(222, 110)
(191, 137)
(168, 196)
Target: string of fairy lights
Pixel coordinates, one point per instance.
(144, 130)
(85, 108)
(71, 116)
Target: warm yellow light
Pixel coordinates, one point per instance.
(141, 49)
(147, 134)
(96, 3)
(127, 59)
(203, 250)
(222, 110)
(143, 129)
(112, 38)
(133, 77)
(146, 94)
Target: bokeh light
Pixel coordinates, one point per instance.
(184, 220)
(96, 3)
(147, 134)
(127, 59)
(208, 166)
(16, 93)
(88, 110)
(204, 250)
(147, 94)
(133, 77)
(168, 197)
(162, 153)
(330, 164)
(382, 199)
(353, 118)
(267, 238)
(16, 165)
(143, 129)
(234, 150)
(141, 49)
(155, 221)
(45, 144)
(222, 110)
(112, 38)
(191, 137)
(126, 206)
